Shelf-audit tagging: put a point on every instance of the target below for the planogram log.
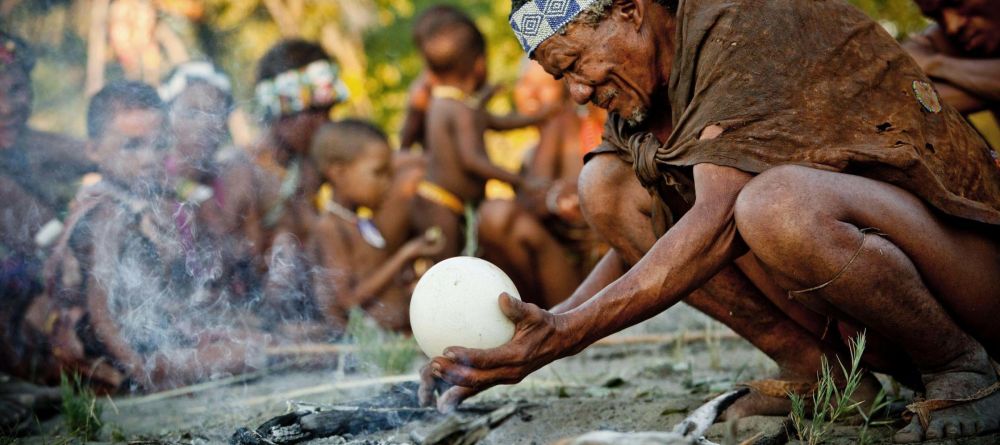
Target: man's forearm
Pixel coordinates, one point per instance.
(681, 261)
(610, 268)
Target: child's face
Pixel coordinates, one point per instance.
(365, 180)
(198, 121)
(15, 105)
(536, 90)
(132, 146)
(295, 132)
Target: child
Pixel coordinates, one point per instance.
(118, 319)
(458, 169)
(355, 158)
(214, 184)
(297, 86)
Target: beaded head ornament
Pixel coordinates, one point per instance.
(185, 73)
(537, 20)
(312, 86)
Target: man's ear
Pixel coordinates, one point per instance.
(630, 11)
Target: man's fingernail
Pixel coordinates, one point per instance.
(436, 368)
(449, 355)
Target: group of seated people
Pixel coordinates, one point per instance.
(156, 254)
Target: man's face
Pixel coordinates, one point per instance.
(132, 147)
(612, 65)
(973, 25)
(15, 105)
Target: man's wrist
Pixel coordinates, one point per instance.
(571, 337)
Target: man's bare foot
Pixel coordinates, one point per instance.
(757, 404)
(966, 419)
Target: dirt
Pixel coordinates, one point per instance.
(638, 387)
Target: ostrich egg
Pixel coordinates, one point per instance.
(456, 303)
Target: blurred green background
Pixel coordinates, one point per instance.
(370, 38)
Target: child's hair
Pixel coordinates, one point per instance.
(449, 40)
(431, 19)
(118, 96)
(15, 53)
(342, 141)
(288, 55)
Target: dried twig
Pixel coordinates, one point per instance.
(665, 338)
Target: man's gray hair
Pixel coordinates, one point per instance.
(594, 13)
(599, 9)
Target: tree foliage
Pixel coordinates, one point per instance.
(370, 38)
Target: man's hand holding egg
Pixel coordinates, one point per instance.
(454, 310)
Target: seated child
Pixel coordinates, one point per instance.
(361, 272)
(214, 184)
(118, 319)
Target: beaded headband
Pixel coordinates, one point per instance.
(537, 20)
(188, 72)
(315, 85)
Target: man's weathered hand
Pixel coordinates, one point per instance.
(538, 341)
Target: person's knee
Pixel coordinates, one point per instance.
(774, 205)
(495, 220)
(607, 186)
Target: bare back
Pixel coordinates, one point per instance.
(448, 132)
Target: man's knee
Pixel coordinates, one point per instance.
(608, 188)
(776, 204)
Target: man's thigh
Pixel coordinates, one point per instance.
(958, 260)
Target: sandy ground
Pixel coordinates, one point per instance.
(639, 387)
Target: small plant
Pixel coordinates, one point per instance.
(80, 410)
(829, 402)
(680, 347)
(879, 404)
(714, 344)
(390, 352)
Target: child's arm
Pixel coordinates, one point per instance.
(545, 161)
(416, 112)
(349, 287)
(472, 148)
(514, 121)
(106, 246)
(393, 217)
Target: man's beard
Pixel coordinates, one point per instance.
(637, 117)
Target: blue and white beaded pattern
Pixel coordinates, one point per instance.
(538, 20)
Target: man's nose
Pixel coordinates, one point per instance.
(953, 21)
(579, 92)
